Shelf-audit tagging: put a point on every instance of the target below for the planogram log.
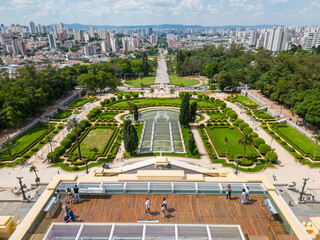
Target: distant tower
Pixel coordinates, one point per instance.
(32, 27)
(91, 31)
(150, 31)
(52, 41)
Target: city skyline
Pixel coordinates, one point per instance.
(156, 12)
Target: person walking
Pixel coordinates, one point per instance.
(76, 194)
(163, 209)
(148, 207)
(228, 192)
(165, 203)
(247, 194)
(243, 196)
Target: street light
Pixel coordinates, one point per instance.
(21, 187)
(86, 161)
(237, 165)
(304, 185)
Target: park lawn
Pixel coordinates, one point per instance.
(263, 115)
(27, 139)
(96, 138)
(144, 81)
(175, 80)
(80, 102)
(217, 116)
(245, 101)
(161, 101)
(62, 114)
(298, 140)
(217, 135)
(108, 115)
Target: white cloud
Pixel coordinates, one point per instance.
(315, 4)
(278, 1)
(212, 10)
(2, 8)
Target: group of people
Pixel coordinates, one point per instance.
(164, 207)
(244, 196)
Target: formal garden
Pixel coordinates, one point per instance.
(182, 81)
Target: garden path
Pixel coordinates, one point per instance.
(289, 170)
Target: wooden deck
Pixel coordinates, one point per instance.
(185, 209)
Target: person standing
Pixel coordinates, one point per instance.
(165, 203)
(58, 193)
(70, 195)
(148, 207)
(243, 196)
(228, 192)
(163, 209)
(76, 194)
(247, 194)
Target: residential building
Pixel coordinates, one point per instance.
(90, 50)
(91, 31)
(52, 41)
(32, 27)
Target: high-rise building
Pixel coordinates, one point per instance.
(137, 42)
(32, 27)
(153, 39)
(91, 31)
(277, 40)
(52, 41)
(39, 28)
(18, 47)
(1, 39)
(253, 38)
(104, 45)
(114, 42)
(270, 39)
(125, 44)
(312, 39)
(102, 33)
(86, 37)
(78, 34)
(150, 31)
(90, 50)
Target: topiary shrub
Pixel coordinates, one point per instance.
(247, 130)
(245, 162)
(273, 155)
(66, 143)
(238, 121)
(71, 136)
(222, 104)
(206, 97)
(135, 95)
(257, 141)
(59, 151)
(75, 168)
(112, 99)
(60, 126)
(212, 99)
(264, 148)
(200, 96)
(233, 115)
(254, 134)
(127, 96)
(243, 125)
(119, 97)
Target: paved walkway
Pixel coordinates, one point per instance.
(162, 74)
(289, 170)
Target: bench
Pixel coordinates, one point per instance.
(49, 207)
(272, 209)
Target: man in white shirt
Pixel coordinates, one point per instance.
(148, 206)
(247, 194)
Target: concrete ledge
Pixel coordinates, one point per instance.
(58, 178)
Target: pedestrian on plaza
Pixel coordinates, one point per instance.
(66, 218)
(228, 192)
(58, 193)
(70, 195)
(165, 203)
(148, 207)
(163, 209)
(70, 213)
(247, 194)
(76, 194)
(243, 196)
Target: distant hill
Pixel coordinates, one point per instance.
(165, 26)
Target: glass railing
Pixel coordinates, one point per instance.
(103, 231)
(178, 188)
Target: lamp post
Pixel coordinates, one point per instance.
(237, 165)
(303, 187)
(86, 161)
(315, 151)
(21, 187)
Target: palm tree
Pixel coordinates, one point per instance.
(34, 169)
(245, 140)
(226, 140)
(316, 140)
(74, 124)
(8, 145)
(270, 155)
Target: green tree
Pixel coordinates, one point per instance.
(192, 145)
(193, 111)
(34, 169)
(151, 91)
(246, 141)
(184, 116)
(74, 124)
(135, 113)
(130, 137)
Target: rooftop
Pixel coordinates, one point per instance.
(253, 218)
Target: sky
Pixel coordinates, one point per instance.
(154, 12)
